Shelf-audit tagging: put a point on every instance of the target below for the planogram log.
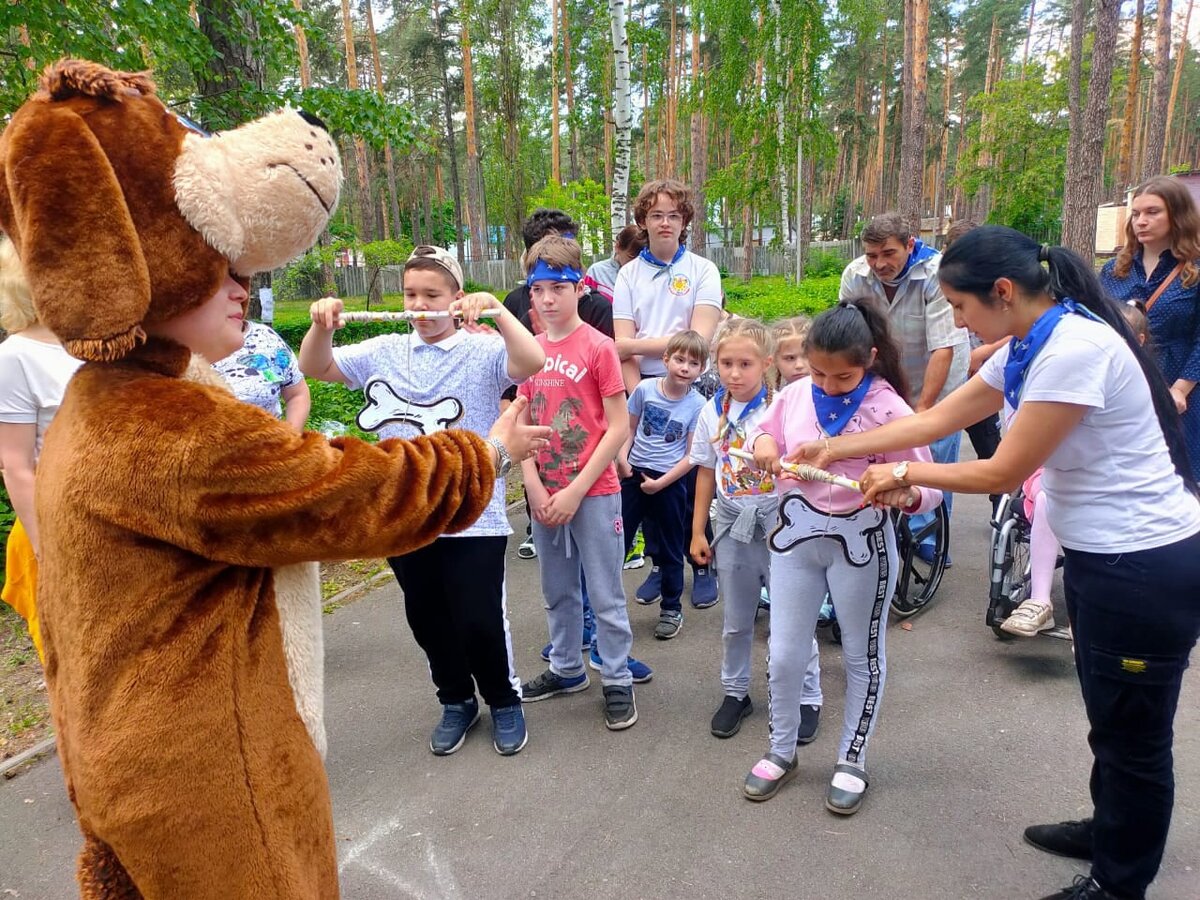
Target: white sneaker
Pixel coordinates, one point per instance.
(527, 550)
(1029, 619)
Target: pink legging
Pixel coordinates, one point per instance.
(1043, 551)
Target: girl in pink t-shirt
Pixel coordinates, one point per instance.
(825, 540)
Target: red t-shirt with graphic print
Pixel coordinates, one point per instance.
(568, 395)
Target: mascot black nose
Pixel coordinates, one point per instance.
(312, 120)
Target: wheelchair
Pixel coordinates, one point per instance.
(1009, 579)
(918, 580)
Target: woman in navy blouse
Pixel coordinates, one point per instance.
(1162, 247)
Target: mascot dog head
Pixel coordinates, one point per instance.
(124, 214)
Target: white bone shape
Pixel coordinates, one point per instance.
(800, 521)
(384, 405)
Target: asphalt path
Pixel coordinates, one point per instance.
(977, 738)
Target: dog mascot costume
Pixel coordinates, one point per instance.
(165, 505)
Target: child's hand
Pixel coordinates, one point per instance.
(562, 507)
(651, 485)
(539, 498)
(624, 469)
(900, 498)
(326, 313)
(766, 456)
(700, 550)
(469, 308)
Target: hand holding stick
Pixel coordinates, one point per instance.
(805, 472)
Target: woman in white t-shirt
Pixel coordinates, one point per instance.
(34, 371)
(1089, 405)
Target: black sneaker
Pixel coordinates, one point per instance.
(810, 720)
(1070, 839)
(1084, 887)
(551, 684)
(619, 709)
(727, 720)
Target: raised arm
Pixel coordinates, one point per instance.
(316, 350)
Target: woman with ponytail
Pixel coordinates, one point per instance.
(1087, 403)
(825, 540)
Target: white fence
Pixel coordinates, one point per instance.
(503, 274)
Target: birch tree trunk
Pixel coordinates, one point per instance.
(476, 214)
(781, 169)
(619, 203)
(1125, 168)
(1087, 132)
(1156, 131)
(912, 139)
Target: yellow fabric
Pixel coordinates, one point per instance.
(20, 586)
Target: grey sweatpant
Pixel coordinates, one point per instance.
(594, 537)
(853, 556)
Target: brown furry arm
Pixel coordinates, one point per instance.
(277, 497)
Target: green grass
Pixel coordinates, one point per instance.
(773, 297)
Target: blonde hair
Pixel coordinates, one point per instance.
(16, 303)
(556, 251)
(793, 329)
(758, 334)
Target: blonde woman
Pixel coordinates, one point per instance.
(34, 371)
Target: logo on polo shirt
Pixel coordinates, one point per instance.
(680, 284)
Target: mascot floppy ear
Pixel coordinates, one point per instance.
(67, 217)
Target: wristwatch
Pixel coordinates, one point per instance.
(900, 473)
(503, 460)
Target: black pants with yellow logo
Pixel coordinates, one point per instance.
(1135, 618)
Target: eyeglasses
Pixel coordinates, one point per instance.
(657, 218)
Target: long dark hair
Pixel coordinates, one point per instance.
(979, 258)
(852, 329)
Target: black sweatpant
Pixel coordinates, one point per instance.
(664, 513)
(455, 602)
(1135, 618)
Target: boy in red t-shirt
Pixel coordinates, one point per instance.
(574, 493)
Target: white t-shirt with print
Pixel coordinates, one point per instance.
(1110, 484)
(737, 479)
(414, 388)
(260, 371)
(33, 378)
(660, 302)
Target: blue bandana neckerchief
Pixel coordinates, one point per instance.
(834, 413)
(543, 271)
(751, 405)
(1022, 352)
(920, 253)
(658, 263)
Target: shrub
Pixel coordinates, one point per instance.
(823, 263)
(7, 517)
(773, 297)
(299, 279)
(336, 403)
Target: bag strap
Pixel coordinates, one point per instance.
(1162, 287)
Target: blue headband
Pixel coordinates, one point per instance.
(543, 271)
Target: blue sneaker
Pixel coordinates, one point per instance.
(589, 631)
(639, 670)
(826, 615)
(925, 553)
(651, 589)
(551, 684)
(764, 600)
(704, 588)
(508, 730)
(457, 720)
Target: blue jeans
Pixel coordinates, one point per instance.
(943, 450)
(1135, 618)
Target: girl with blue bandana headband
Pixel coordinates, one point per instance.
(1088, 404)
(825, 540)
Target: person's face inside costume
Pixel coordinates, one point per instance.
(214, 328)
(887, 259)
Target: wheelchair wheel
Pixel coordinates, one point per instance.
(1009, 580)
(918, 580)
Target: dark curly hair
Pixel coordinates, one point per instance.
(543, 221)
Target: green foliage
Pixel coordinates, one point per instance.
(334, 410)
(775, 297)
(586, 203)
(824, 264)
(368, 114)
(387, 253)
(7, 517)
(303, 277)
(1021, 154)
